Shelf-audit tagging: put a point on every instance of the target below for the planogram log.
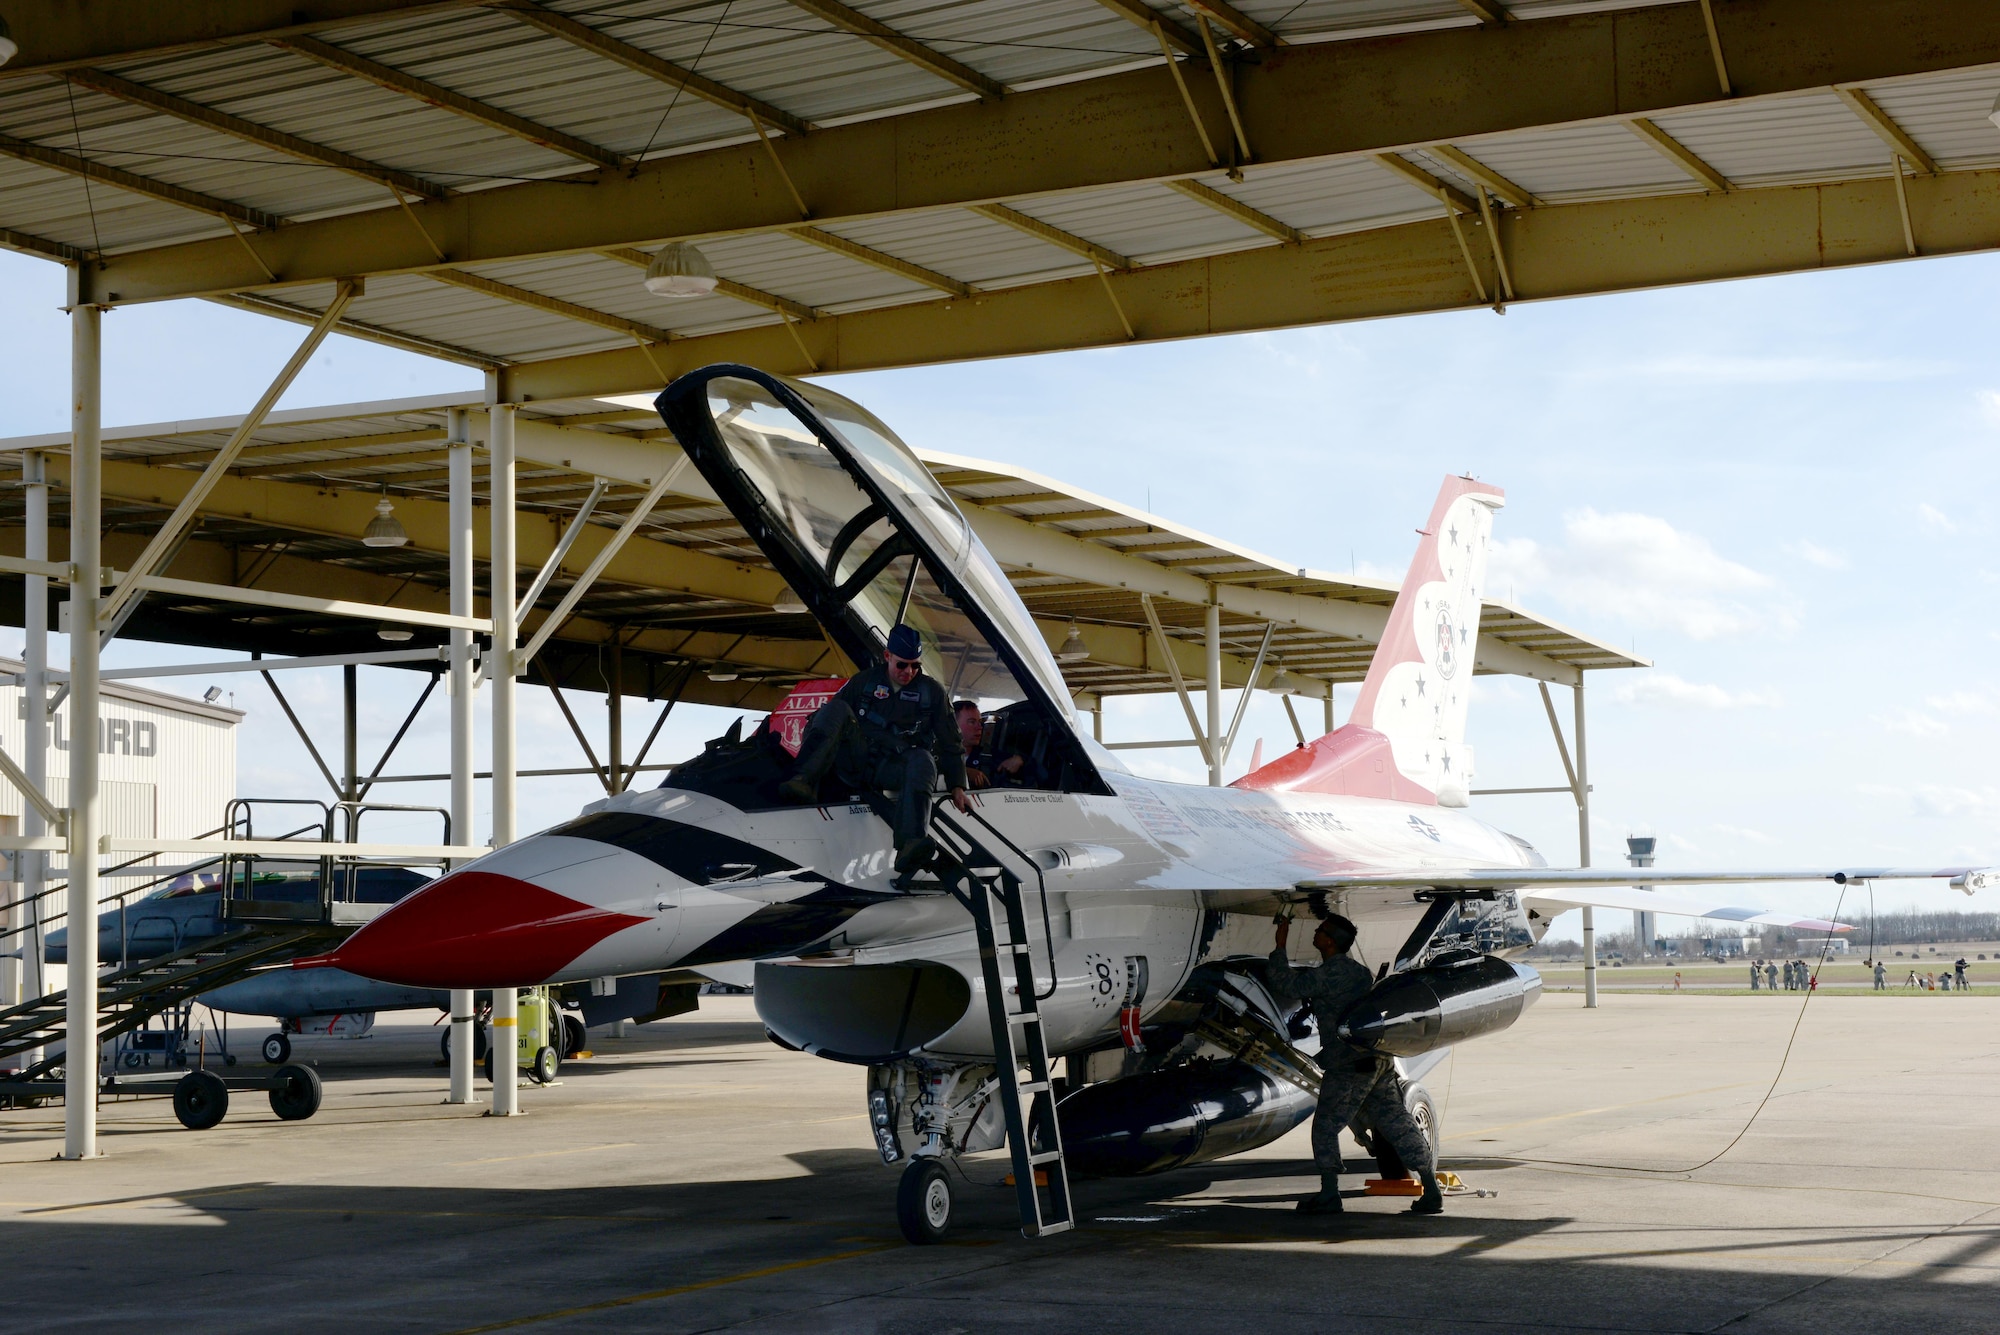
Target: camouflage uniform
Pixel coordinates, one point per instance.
(1352, 1082)
(881, 736)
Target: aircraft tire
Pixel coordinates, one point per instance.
(923, 1202)
(575, 1036)
(277, 1049)
(295, 1093)
(200, 1100)
(545, 1065)
(1423, 1111)
(478, 1042)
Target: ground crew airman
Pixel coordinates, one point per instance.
(1351, 1081)
(889, 729)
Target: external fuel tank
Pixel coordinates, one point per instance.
(1445, 1002)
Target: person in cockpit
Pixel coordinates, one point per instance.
(889, 729)
(982, 767)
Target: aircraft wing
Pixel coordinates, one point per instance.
(1579, 887)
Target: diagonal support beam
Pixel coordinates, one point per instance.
(56, 817)
(1174, 672)
(1145, 16)
(1238, 210)
(909, 48)
(521, 296)
(1472, 167)
(1678, 154)
(645, 62)
(180, 108)
(1486, 11)
(597, 563)
(1892, 134)
(168, 538)
(1237, 24)
(582, 738)
(90, 169)
(423, 90)
(725, 287)
(1249, 689)
(1054, 235)
(1424, 181)
(598, 486)
(854, 250)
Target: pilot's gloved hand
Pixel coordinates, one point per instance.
(961, 801)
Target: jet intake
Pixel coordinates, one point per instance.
(1175, 1116)
(1442, 1003)
(869, 1014)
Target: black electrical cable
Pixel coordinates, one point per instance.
(681, 87)
(1812, 987)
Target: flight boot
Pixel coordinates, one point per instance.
(1328, 1199)
(1432, 1201)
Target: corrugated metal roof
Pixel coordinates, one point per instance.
(775, 51)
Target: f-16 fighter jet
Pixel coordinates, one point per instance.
(1109, 922)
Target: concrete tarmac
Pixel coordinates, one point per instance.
(694, 1177)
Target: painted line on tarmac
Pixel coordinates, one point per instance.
(654, 1295)
(545, 1154)
(1609, 1107)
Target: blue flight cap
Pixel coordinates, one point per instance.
(903, 642)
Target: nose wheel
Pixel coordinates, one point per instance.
(923, 1202)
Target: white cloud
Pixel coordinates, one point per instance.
(1935, 519)
(1814, 554)
(1989, 405)
(1747, 835)
(1724, 369)
(1912, 723)
(1664, 688)
(1961, 702)
(1945, 802)
(1642, 568)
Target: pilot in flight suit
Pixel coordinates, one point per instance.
(1351, 1081)
(888, 729)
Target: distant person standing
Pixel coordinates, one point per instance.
(1756, 975)
(1771, 976)
(1881, 976)
(1959, 969)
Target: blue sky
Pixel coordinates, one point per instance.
(1778, 490)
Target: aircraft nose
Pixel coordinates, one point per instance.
(477, 929)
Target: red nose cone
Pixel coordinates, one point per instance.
(476, 929)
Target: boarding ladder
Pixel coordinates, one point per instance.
(1033, 1137)
(131, 996)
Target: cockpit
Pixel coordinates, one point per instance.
(867, 538)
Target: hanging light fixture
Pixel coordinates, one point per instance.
(393, 633)
(1073, 649)
(384, 530)
(721, 673)
(1281, 680)
(789, 603)
(9, 48)
(679, 270)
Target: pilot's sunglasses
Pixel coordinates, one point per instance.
(904, 664)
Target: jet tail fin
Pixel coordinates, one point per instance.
(1406, 737)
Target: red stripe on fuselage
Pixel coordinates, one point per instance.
(477, 929)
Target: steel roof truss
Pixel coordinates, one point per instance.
(897, 44)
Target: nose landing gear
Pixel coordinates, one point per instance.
(923, 1202)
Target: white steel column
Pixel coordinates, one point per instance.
(1583, 849)
(1327, 707)
(80, 1057)
(500, 450)
(464, 1025)
(35, 691)
(1212, 638)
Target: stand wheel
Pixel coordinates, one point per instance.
(295, 1093)
(544, 1068)
(229, 1059)
(575, 1037)
(277, 1050)
(133, 1060)
(923, 1202)
(200, 1100)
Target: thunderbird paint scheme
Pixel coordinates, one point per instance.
(1145, 905)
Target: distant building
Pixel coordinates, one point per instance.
(168, 770)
